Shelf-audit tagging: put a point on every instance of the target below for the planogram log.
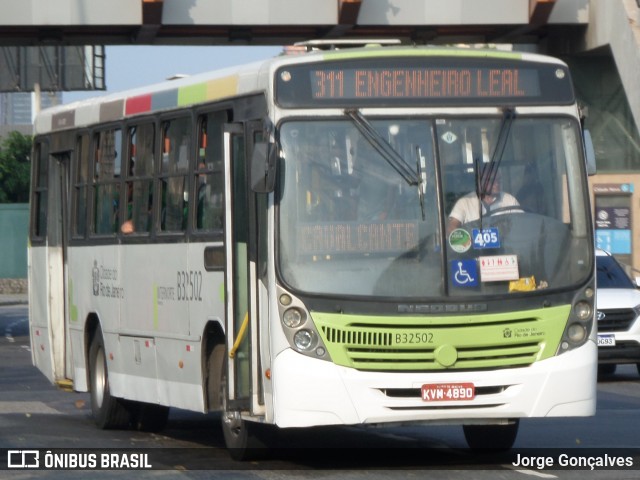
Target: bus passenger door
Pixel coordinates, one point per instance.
(57, 230)
(240, 284)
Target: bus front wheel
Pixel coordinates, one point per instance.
(491, 437)
(243, 439)
(108, 412)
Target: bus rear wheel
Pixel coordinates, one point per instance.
(491, 437)
(108, 412)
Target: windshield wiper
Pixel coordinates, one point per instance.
(383, 147)
(490, 171)
(489, 176)
(422, 186)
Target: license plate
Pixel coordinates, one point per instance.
(606, 341)
(445, 392)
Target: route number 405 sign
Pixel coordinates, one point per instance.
(485, 238)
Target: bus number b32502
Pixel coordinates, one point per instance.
(189, 286)
(418, 338)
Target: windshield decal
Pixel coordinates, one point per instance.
(485, 238)
(460, 240)
(499, 268)
(464, 273)
(449, 137)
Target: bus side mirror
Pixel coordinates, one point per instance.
(263, 167)
(590, 153)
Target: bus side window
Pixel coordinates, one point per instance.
(209, 179)
(81, 186)
(139, 183)
(106, 180)
(40, 191)
(176, 152)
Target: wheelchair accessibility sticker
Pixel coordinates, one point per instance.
(464, 273)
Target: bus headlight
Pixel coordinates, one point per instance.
(299, 327)
(577, 333)
(580, 322)
(582, 310)
(304, 340)
(294, 317)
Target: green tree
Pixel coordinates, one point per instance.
(15, 164)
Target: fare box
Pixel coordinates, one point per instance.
(498, 268)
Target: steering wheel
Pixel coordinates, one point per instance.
(509, 209)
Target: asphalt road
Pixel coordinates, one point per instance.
(36, 415)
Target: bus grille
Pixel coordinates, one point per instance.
(374, 350)
(616, 319)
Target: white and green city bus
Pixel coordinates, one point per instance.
(273, 242)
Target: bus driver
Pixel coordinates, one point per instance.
(467, 208)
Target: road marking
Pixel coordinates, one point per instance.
(9, 329)
(26, 407)
(524, 471)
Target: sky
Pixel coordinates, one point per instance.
(136, 66)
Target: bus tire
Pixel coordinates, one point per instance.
(108, 412)
(244, 440)
(491, 437)
(215, 373)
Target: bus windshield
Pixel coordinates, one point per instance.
(493, 209)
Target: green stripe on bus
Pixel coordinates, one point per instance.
(410, 52)
(413, 343)
(192, 94)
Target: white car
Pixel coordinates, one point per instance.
(618, 315)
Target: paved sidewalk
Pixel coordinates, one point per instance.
(13, 299)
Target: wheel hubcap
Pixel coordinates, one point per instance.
(233, 422)
(99, 378)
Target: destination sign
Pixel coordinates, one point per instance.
(347, 237)
(423, 81)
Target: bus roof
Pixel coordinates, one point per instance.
(226, 83)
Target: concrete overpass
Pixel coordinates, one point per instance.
(554, 26)
(557, 27)
(223, 22)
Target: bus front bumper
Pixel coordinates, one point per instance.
(309, 392)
